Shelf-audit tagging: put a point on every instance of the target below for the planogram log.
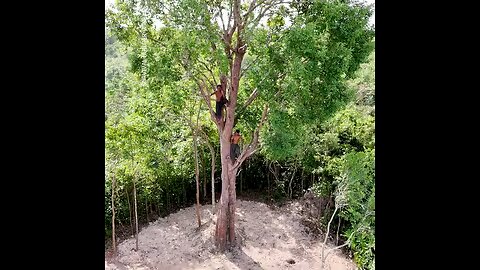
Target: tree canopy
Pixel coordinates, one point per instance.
(310, 62)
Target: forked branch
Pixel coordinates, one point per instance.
(253, 145)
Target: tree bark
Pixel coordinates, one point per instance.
(197, 171)
(113, 215)
(326, 236)
(241, 182)
(129, 210)
(232, 199)
(146, 207)
(225, 226)
(184, 193)
(338, 230)
(212, 153)
(212, 173)
(268, 179)
(204, 177)
(301, 179)
(197, 179)
(168, 198)
(136, 215)
(290, 190)
(223, 210)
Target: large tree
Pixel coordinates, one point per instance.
(285, 59)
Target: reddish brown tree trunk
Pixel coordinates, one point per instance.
(225, 227)
(223, 215)
(226, 211)
(232, 199)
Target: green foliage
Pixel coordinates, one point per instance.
(303, 72)
(344, 150)
(307, 64)
(364, 83)
(143, 137)
(356, 170)
(359, 169)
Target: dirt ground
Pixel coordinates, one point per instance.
(269, 239)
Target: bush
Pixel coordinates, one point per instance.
(359, 175)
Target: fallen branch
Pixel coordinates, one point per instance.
(346, 242)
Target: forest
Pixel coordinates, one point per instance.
(299, 80)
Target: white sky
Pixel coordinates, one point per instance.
(372, 19)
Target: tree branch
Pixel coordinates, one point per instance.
(250, 99)
(219, 122)
(348, 239)
(249, 65)
(237, 21)
(230, 17)
(252, 147)
(252, 7)
(212, 84)
(206, 98)
(264, 9)
(221, 16)
(328, 229)
(260, 15)
(208, 69)
(273, 172)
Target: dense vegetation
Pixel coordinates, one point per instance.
(319, 136)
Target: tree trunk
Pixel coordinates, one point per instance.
(136, 215)
(338, 230)
(225, 227)
(113, 215)
(222, 209)
(184, 193)
(129, 209)
(195, 130)
(197, 178)
(168, 198)
(268, 179)
(241, 182)
(301, 179)
(151, 209)
(226, 211)
(232, 199)
(290, 190)
(212, 153)
(204, 177)
(277, 170)
(146, 207)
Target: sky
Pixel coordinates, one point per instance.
(372, 19)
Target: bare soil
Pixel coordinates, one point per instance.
(269, 238)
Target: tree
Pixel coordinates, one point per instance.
(300, 54)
